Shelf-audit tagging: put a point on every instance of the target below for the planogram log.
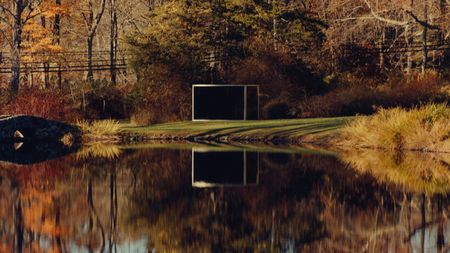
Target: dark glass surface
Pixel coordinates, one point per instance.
(252, 103)
(219, 103)
(111, 199)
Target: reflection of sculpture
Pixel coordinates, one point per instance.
(233, 168)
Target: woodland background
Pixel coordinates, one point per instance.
(67, 59)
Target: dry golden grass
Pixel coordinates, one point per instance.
(425, 128)
(103, 129)
(415, 172)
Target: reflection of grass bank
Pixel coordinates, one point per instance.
(96, 150)
(422, 129)
(417, 172)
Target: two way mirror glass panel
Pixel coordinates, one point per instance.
(225, 102)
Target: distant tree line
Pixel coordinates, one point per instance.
(408, 35)
(294, 48)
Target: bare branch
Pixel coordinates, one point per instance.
(7, 10)
(423, 23)
(354, 18)
(383, 19)
(6, 22)
(98, 17)
(2, 32)
(85, 19)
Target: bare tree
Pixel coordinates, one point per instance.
(57, 38)
(113, 40)
(92, 21)
(405, 31)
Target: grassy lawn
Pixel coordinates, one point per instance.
(262, 129)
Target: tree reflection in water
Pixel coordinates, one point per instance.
(143, 200)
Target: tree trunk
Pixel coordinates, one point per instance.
(57, 26)
(424, 38)
(443, 13)
(46, 77)
(90, 74)
(16, 44)
(409, 41)
(113, 42)
(382, 40)
(57, 40)
(274, 26)
(92, 23)
(45, 63)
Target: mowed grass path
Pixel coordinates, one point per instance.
(258, 130)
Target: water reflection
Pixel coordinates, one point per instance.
(142, 200)
(33, 152)
(416, 172)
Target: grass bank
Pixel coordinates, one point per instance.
(426, 128)
(292, 130)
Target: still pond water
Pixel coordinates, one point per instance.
(207, 198)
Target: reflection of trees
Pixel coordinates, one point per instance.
(50, 201)
(302, 203)
(113, 211)
(34, 204)
(283, 211)
(310, 204)
(411, 181)
(94, 221)
(18, 221)
(181, 218)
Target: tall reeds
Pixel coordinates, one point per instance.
(425, 128)
(99, 130)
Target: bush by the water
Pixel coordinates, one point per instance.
(165, 98)
(425, 128)
(106, 102)
(363, 96)
(277, 109)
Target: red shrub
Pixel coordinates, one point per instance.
(46, 104)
